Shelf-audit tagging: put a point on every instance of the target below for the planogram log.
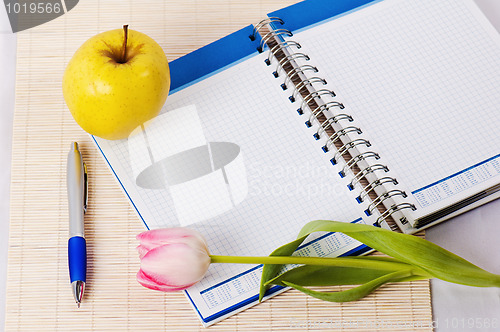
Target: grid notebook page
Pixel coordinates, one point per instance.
(422, 78)
(230, 157)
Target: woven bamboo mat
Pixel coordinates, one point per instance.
(38, 291)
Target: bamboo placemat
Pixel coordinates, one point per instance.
(38, 291)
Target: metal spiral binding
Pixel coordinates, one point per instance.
(371, 187)
(354, 160)
(347, 146)
(333, 119)
(280, 44)
(328, 121)
(334, 137)
(296, 71)
(262, 23)
(315, 94)
(287, 59)
(327, 106)
(364, 171)
(303, 83)
(380, 199)
(393, 209)
(323, 108)
(271, 34)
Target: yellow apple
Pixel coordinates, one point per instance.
(115, 82)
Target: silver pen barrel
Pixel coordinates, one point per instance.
(76, 191)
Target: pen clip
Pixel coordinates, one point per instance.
(85, 188)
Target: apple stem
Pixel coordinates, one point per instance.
(124, 48)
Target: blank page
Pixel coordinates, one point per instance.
(422, 79)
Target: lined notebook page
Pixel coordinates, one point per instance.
(423, 80)
(261, 179)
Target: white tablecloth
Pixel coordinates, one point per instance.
(474, 235)
(7, 79)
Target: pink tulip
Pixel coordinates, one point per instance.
(172, 259)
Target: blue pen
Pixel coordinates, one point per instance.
(77, 201)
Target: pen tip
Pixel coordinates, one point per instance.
(78, 304)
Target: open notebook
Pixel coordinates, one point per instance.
(365, 111)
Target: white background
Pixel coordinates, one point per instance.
(474, 235)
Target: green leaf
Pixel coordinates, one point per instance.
(438, 262)
(355, 293)
(314, 275)
(270, 271)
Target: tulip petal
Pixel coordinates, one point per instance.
(157, 237)
(175, 265)
(147, 282)
(142, 250)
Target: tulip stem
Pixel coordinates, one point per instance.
(358, 262)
